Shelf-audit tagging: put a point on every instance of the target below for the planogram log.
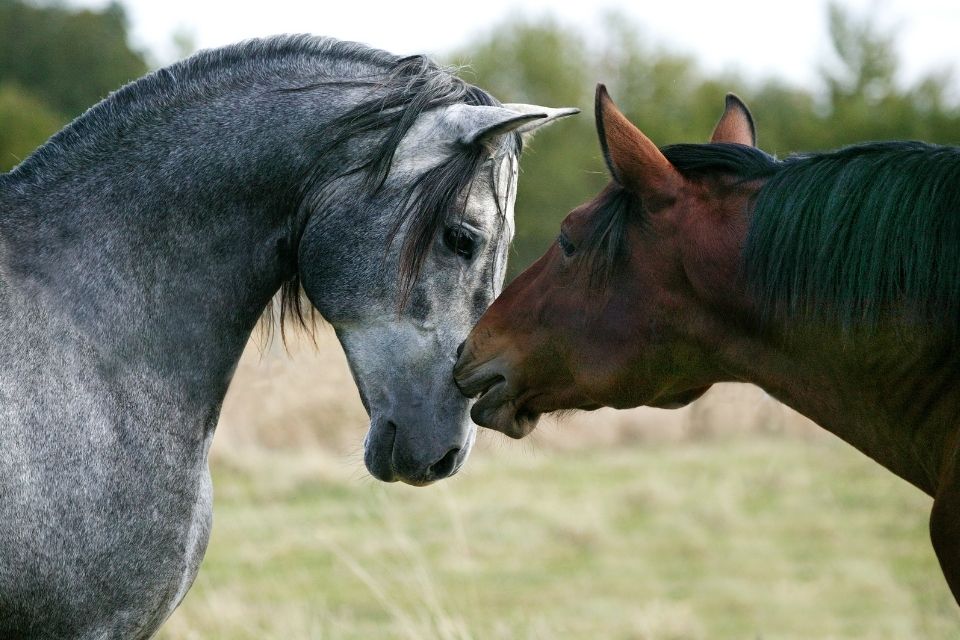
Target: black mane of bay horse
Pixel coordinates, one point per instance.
(831, 280)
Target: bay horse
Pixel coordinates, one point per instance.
(831, 280)
(141, 244)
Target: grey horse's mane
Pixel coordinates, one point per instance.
(397, 91)
(204, 74)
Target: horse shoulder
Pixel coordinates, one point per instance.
(93, 481)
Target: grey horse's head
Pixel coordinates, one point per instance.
(405, 270)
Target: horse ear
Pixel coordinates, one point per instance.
(528, 129)
(634, 161)
(478, 124)
(736, 124)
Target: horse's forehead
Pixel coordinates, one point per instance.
(498, 176)
(424, 146)
(427, 144)
(507, 188)
(494, 192)
(507, 174)
(582, 217)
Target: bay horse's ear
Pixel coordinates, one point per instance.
(634, 161)
(736, 124)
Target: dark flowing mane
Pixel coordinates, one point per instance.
(847, 236)
(204, 74)
(840, 237)
(604, 246)
(404, 91)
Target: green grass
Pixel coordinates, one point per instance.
(760, 537)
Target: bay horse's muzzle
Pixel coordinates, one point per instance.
(497, 405)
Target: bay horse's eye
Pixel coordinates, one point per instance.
(565, 245)
(460, 241)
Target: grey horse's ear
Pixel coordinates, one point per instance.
(478, 124)
(552, 115)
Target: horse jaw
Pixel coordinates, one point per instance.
(420, 429)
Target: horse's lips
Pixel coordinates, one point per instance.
(497, 405)
(496, 409)
(478, 382)
(491, 405)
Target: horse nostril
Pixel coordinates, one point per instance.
(445, 465)
(460, 348)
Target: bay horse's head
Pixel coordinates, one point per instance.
(619, 312)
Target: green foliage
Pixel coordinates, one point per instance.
(54, 63)
(70, 59)
(25, 121)
(863, 94)
(748, 538)
(667, 95)
(868, 60)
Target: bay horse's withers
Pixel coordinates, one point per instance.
(831, 280)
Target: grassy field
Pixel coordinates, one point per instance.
(672, 528)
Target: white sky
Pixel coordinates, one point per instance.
(757, 37)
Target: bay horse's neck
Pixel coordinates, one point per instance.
(163, 249)
(890, 396)
(888, 392)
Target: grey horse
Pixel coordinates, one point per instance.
(140, 246)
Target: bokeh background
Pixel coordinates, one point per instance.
(733, 518)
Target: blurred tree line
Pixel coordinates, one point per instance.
(55, 61)
(668, 96)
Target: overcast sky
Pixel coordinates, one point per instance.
(757, 37)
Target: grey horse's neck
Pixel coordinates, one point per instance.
(158, 226)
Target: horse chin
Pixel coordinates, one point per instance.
(678, 400)
(524, 423)
(496, 410)
(513, 424)
(670, 404)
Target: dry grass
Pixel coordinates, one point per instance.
(303, 396)
(306, 398)
(732, 519)
(740, 537)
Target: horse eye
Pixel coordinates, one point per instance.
(460, 241)
(565, 245)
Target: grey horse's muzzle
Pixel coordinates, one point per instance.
(391, 454)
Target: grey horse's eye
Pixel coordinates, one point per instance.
(460, 241)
